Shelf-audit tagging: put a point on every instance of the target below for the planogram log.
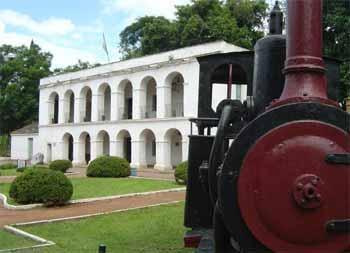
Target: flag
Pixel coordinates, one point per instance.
(104, 46)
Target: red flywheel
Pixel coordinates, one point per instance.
(290, 197)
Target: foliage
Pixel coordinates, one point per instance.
(181, 173)
(41, 186)
(4, 145)
(108, 166)
(235, 21)
(336, 22)
(8, 166)
(72, 68)
(20, 71)
(60, 165)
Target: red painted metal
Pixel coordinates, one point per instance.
(304, 67)
(292, 158)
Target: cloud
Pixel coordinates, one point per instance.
(50, 26)
(136, 8)
(63, 55)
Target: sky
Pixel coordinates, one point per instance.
(73, 29)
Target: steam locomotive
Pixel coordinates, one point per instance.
(276, 175)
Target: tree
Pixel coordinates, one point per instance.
(336, 23)
(236, 21)
(21, 69)
(79, 66)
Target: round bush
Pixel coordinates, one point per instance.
(41, 186)
(60, 165)
(108, 166)
(181, 173)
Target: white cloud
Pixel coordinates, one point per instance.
(63, 55)
(137, 8)
(50, 26)
(2, 27)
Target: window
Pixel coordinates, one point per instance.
(154, 103)
(153, 148)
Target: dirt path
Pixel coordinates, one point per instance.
(13, 216)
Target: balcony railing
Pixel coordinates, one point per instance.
(124, 114)
(174, 110)
(147, 112)
(84, 117)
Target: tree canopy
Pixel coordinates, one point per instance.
(20, 71)
(72, 68)
(235, 21)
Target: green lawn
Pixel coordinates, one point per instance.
(150, 230)
(100, 187)
(11, 172)
(8, 240)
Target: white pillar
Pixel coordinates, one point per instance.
(77, 110)
(94, 149)
(138, 155)
(76, 154)
(61, 117)
(163, 101)
(138, 103)
(163, 156)
(119, 148)
(112, 148)
(58, 151)
(114, 106)
(184, 150)
(94, 107)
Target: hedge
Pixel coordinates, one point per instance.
(41, 186)
(8, 166)
(60, 165)
(181, 173)
(108, 166)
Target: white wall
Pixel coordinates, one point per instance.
(19, 146)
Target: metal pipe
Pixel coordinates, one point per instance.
(229, 85)
(304, 67)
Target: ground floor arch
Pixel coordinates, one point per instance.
(85, 147)
(124, 145)
(68, 145)
(148, 149)
(103, 143)
(173, 139)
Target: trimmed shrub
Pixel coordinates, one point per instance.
(60, 165)
(108, 166)
(8, 166)
(181, 173)
(41, 186)
(35, 167)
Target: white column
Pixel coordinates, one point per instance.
(163, 156)
(184, 150)
(77, 110)
(76, 154)
(119, 148)
(120, 105)
(94, 149)
(114, 106)
(163, 101)
(61, 116)
(94, 107)
(138, 103)
(112, 148)
(58, 151)
(138, 155)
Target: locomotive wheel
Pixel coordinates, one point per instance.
(235, 198)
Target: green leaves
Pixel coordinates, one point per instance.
(20, 71)
(235, 21)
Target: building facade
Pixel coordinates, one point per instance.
(137, 109)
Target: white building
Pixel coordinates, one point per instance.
(137, 109)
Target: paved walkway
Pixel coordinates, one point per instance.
(18, 216)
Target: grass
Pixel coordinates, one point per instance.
(101, 187)
(152, 230)
(11, 172)
(8, 240)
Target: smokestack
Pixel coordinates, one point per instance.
(304, 66)
(276, 20)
